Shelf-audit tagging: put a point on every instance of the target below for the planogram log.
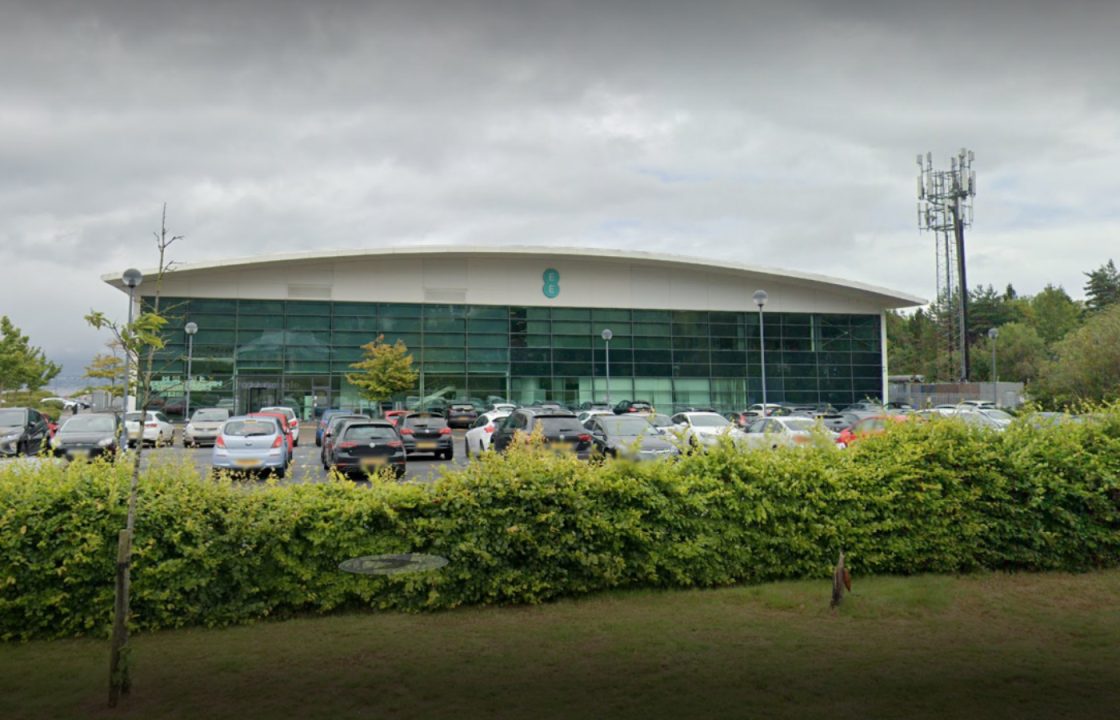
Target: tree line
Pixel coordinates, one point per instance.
(1065, 351)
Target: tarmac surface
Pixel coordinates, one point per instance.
(305, 468)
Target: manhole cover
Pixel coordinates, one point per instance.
(392, 564)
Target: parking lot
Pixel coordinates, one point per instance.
(306, 467)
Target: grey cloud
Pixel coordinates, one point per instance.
(778, 134)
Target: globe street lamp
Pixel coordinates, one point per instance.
(131, 279)
(992, 335)
(760, 298)
(190, 329)
(607, 335)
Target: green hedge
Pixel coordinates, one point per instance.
(930, 497)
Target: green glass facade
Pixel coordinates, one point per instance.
(249, 353)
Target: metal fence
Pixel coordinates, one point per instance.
(920, 395)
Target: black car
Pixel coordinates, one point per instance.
(89, 435)
(633, 406)
(23, 431)
(334, 424)
(559, 428)
(461, 414)
(427, 433)
(363, 446)
(629, 436)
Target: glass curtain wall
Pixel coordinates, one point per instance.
(253, 352)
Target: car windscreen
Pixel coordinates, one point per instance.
(212, 415)
(660, 420)
(366, 433)
(133, 416)
(249, 428)
(89, 423)
(797, 425)
(339, 420)
(431, 422)
(11, 418)
(627, 426)
(998, 415)
(559, 426)
(709, 421)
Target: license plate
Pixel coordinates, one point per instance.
(376, 460)
(426, 445)
(247, 463)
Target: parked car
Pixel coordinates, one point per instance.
(461, 414)
(502, 407)
(584, 415)
(759, 410)
(983, 417)
(873, 425)
(86, 436)
(293, 420)
(393, 416)
(203, 426)
(477, 439)
(785, 431)
(336, 423)
(157, 429)
(282, 419)
(325, 418)
(367, 445)
(427, 433)
(257, 444)
(560, 429)
(23, 431)
(633, 406)
(629, 436)
(703, 429)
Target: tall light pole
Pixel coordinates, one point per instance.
(607, 335)
(760, 298)
(992, 335)
(131, 279)
(190, 329)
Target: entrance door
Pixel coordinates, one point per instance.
(253, 393)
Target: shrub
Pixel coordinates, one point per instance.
(531, 526)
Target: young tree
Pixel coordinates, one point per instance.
(139, 341)
(109, 369)
(1086, 367)
(385, 371)
(1103, 287)
(21, 365)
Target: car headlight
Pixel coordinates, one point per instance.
(105, 442)
(10, 437)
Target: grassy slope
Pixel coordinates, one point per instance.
(991, 646)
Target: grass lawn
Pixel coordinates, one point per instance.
(984, 646)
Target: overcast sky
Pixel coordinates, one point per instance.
(781, 134)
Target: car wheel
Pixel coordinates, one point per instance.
(467, 449)
(318, 442)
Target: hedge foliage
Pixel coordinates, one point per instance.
(529, 527)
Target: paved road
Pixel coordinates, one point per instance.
(306, 467)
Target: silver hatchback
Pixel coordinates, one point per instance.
(251, 444)
(204, 426)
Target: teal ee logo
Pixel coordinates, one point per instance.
(551, 283)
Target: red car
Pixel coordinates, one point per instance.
(873, 425)
(394, 415)
(283, 420)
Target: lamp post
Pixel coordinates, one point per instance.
(190, 329)
(131, 279)
(607, 335)
(992, 335)
(760, 298)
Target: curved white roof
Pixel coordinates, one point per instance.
(449, 268)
